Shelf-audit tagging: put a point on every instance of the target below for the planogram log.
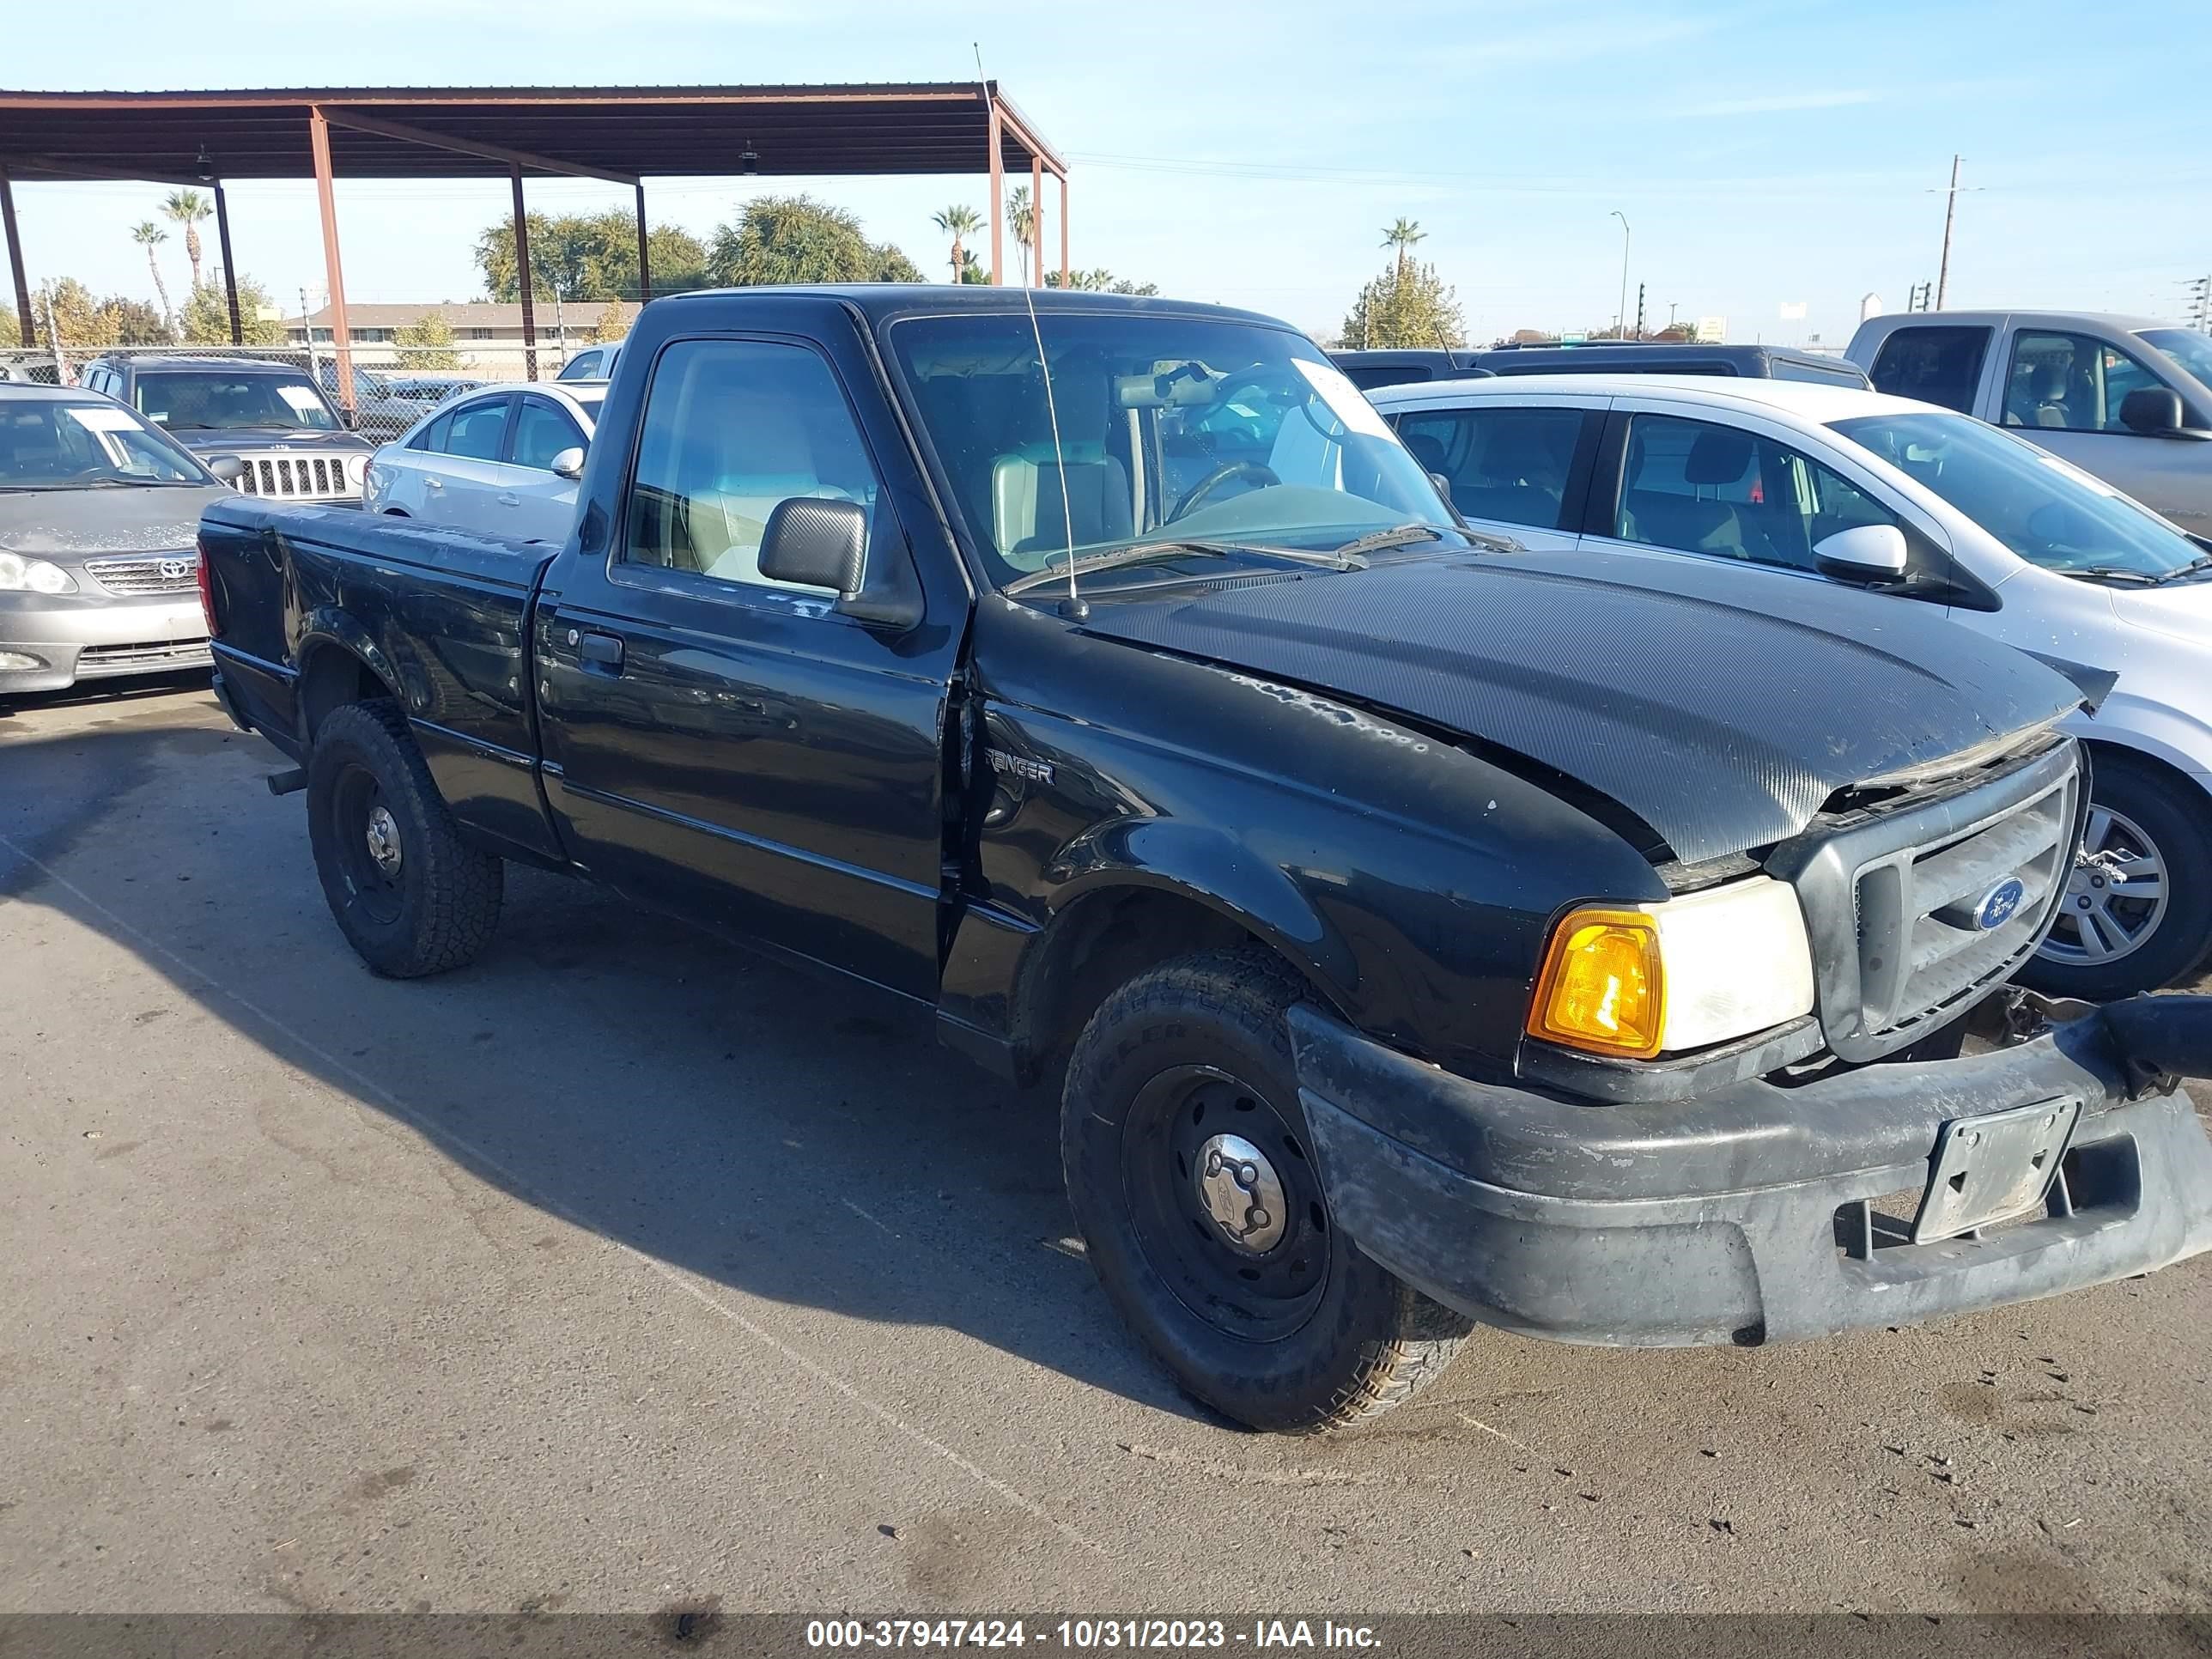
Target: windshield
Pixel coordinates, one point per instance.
(2050, 513)
(1170, 428)
(2192, 351)
(208, 400)
(47, 444)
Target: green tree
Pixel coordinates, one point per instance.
(1021, 219)
(971, 268)
(425, 344)
(1401, 235)
(187, 208)
(1100, 280)
(796, 238)
(205, 320)
(1407, 306)
(612, 325)
(959, 222)
(149, 236)
(86, 321)
(588, 257)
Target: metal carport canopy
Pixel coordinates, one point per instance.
(621, 134)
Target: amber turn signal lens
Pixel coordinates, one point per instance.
(1601, 988)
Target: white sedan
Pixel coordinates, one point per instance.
(1935, 507)
(503, 461)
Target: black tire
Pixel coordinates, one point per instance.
(436, 906)
(2155, 807)
(1310, 1334)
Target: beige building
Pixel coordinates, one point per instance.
(487, 335)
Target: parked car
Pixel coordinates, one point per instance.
(1375, 368)
(98, 512)
(503, 462)
(1421, 939)
(1962, 519)
(289, 441)
(2127, 399)
(592, 363)
(430, 390)
(378, 412)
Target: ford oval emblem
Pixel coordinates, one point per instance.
(1999, 904)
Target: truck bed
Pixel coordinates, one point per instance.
(442, 617)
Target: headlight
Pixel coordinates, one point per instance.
(1679, 975)
(21, 575)
(358, 469)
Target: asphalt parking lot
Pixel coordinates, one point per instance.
(622, 1269)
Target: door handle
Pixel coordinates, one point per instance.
(508, 499)
(433, 483)
(603, 650)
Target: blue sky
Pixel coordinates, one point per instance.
(1765, 154)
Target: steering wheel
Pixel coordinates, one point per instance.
(1253, 472)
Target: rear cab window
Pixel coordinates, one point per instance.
(1933, 363)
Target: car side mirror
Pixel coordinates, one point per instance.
(1865, 553)
(2154, 411)
(227, 468)
(569, 463)
(824, 543)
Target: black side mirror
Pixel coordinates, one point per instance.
(227, 468)
(824, 543)
(2154, 411)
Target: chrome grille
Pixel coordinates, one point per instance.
(294, 478)
(151, 573)
(1894, 897)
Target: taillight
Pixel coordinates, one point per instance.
(207, 590)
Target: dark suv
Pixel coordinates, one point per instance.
(289, 441)
(1368, 369)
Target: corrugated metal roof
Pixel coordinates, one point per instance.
(612, 131)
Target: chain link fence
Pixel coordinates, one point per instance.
(393, 386)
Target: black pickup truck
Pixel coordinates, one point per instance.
(1427, 931)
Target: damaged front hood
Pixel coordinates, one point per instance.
(74, 524)
(1722, 705)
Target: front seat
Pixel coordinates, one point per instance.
(1027, 511)
(1717, 456)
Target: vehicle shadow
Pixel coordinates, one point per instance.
(631, 1075)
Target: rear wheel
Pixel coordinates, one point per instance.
(411, 896)
(1203, 1211)
(2137, 911)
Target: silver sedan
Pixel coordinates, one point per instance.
(99, 526)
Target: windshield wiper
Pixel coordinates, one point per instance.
(1402, 535)
(2204, 561)
(2118, 573)
(1139, 552)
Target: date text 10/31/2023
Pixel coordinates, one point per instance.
(1088, 1635)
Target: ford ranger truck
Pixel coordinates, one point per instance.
(1422, 932)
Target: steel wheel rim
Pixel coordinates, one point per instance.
(2116, 893)
(371, 854)
(1260, 1295)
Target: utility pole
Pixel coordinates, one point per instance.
(1620, 318)
(1950, 213)
(1672, 306)
(1640, 311)
(2200, 303)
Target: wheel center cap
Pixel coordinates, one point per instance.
(1240, 1194)
(383, 837)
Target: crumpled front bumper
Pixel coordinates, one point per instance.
(1738, 1217)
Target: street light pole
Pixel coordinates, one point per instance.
(1620, 327)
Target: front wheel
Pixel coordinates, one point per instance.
(2137, 911)
(1204, 1213)
(411, 895)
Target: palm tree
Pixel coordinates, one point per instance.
(1021, 219)
(958, 222)
(1402, 235)
(149, 236)
(188, 208)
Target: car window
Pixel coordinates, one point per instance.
(85, 446)
(1701, 487)
(583, 365)
(215, 399)
(543, 430)
(432, 438)
(2070, 382)
(732, 429)
(1932, 364)
(477, 429)
(1510, 465)
(1367, 377)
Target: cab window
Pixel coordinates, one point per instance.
(732, 429)
(1932, 364)
(2070, 382)
(1507, 465)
